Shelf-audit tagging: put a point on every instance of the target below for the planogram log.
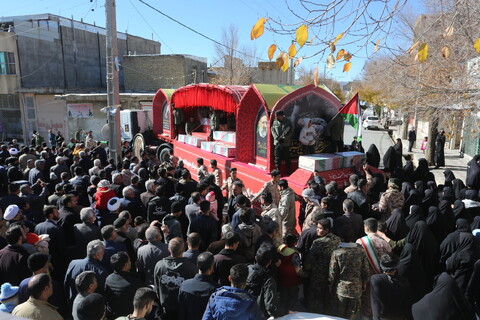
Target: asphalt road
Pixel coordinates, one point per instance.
(378, 137)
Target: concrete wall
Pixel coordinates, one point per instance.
(51, 114)
(148, 73)
(61, 54)
(269, 73)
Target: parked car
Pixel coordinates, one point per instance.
(371, 122)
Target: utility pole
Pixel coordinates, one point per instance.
(113, 96)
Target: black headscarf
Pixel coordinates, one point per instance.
(397, 228)
(432, 185)
(415, 214)
(452, 240)
(458, 186)
(427, 248)
(399, 153)
(460, 264)
(445, 302)
(448, 194)
(473, 173)
(470, 194)
(420, 186)
(390, 160)
(421, 172)
(408, 170)
(449, 177)
(448, 216)
(459, 209)
(412, 199)
(406, 187)
(430, 199)
(436, 224)
(411, 268)
(373, 156)
(475, 224)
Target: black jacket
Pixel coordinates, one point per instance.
(391, 297)
(13, 264)
(193, 297)
(169, 274)
(261, 284)
(120, 288)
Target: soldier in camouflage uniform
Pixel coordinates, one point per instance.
(349, 274)
(317, 264)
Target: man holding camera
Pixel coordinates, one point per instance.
(282, 131)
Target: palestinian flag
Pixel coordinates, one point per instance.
(351, 113)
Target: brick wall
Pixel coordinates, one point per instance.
(148, 73)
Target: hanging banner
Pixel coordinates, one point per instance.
(80, 110)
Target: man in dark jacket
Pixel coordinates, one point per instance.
(412, 137)
(261, 284)
(227, 258)
(205, 225)
(169, 274)
(390, 293)
(110, 235)
(360, 200)
(95, 251)
(120, 286)
(13, 258)
(56, 244)
(86, 231)
(149, 254)
(349, 220)
(194, 293)
(68, 218)
(233, 302)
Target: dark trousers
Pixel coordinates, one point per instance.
(410, 145)
(282, 154)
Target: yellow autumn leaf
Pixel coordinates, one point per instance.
(297, 62)
(347, 56)
(330, 61)
(302, 35)
(448, 32)
(347, 66)
(258, 29)
(476, 45)
(315, 76)
(292, 51)
(271, 51)
(285, 65)
(281, 59)
(376, 45)
(340, 36)
(340, 54)
(446, 52)
(422, 53)
(410, 50)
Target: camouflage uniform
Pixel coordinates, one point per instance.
(390, 200)
(349, 270)
(317, 262)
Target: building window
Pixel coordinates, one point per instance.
(7, 63)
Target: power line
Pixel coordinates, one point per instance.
(148, 24)
(199, 33)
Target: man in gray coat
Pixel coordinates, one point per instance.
(286, 207)
(282, 131)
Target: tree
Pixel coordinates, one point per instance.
(235, 64)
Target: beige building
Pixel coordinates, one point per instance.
(44, 55)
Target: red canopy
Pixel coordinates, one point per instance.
(223, 98)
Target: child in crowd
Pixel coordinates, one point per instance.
(424, 144)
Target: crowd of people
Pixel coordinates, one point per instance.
(83, 236)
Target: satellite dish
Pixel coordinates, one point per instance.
(105, 132)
